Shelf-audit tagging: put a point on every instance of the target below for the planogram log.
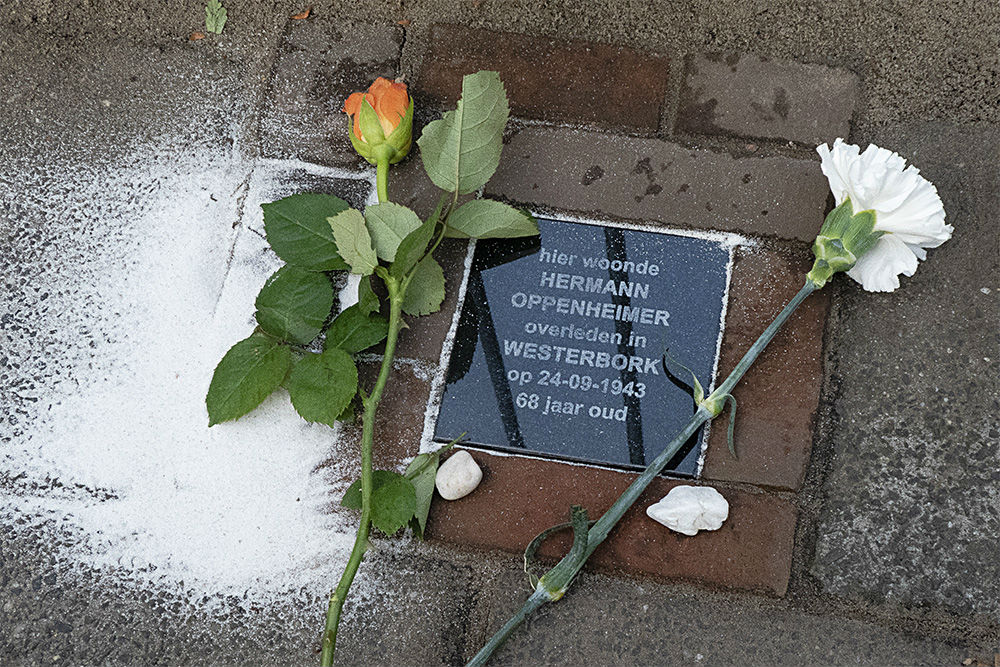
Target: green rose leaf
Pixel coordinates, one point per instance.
(354, 243)
(321, 386)
(246, 375)
(461, 151)
(426, 290)
(489, 219)
(352, 497)
(389, 224)
(367, 299)
(412, 248)
(393, 505)
(393, 500)
(348, 415)
(294, 303)
(355, 330)
(422, 472)
(298, 232)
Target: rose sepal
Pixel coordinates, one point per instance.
(368, 122)
(363, 149)
(401, 139)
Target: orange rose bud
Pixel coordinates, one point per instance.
(393, 111)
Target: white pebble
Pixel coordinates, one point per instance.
(688, 509)
(458, 476)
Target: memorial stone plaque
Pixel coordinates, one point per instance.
(559, 346)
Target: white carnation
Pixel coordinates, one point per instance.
(907, 208)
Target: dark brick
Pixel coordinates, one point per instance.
(779, 396)
(425, 336)
(658, 181)
(548, 79)
(399, 422)
(520, 497)
(322, 61)
(750, 96)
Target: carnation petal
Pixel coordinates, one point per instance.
(834, 164)
(878, 269)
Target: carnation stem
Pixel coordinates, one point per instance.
(602, 528)
(537, 599)
(396, 293)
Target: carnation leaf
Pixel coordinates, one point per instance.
(461, 151)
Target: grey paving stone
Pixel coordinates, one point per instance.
(750, 96)
(94, 138)
(407, 609)
(618, 622)
(913, 490)
(322, 61)
(274, 179)
(663, 182)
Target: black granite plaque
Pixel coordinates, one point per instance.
(559, 346)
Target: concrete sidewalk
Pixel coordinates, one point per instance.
(895, 557)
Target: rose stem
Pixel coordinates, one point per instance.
(370, 403)
(382, 180)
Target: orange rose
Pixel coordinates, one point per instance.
(389, 100)
(393, 108)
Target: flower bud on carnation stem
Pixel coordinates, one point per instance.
(843, 238)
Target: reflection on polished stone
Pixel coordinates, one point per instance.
(559, 348)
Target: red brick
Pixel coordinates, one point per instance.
(549, 79)
(662, 182)
(779, 396)
(749, 96)
(520, 497)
